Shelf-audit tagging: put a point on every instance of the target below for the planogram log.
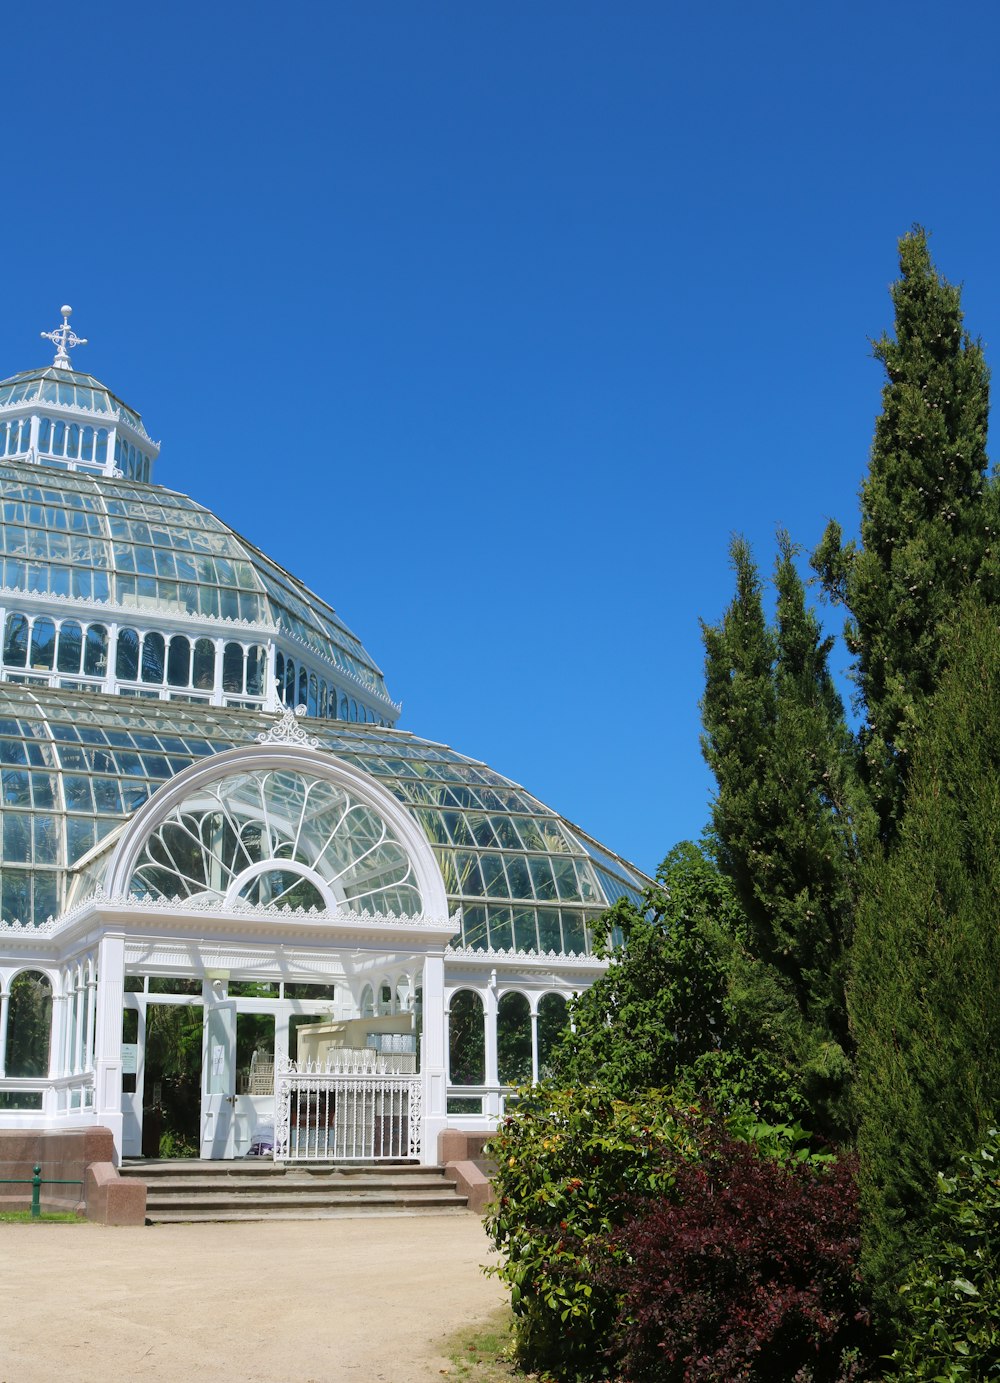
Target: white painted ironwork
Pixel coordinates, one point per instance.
(353, 1110)
(287, 730)
(64, 338)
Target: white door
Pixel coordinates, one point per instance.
(218, 1077)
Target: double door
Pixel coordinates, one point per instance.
(198, 1073)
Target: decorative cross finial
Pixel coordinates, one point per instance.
(64, 337)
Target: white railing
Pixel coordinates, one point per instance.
(353, 1110)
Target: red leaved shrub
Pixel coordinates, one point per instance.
(748, 1272)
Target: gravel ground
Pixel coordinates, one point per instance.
(313, 1301)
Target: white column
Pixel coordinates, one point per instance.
(88, 1051)
(108, 1036)
(111, 671)
(534, 1042)
(491, 1105)
(271, 699)
(220, 645)
(109, 460)
(67, 1033)
(434, 1059)
(4, 1011)
(81, 1021)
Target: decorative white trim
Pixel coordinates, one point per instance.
(217, 907)
(286, 730)
(468, 955)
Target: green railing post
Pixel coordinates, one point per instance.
(36, 1189)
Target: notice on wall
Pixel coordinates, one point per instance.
(218, 1060)
(130, 1058)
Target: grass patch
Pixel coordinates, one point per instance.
(481, 1353)
(23, 1217)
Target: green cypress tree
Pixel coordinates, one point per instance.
(790, 817)
(928, 517)
(925, 991)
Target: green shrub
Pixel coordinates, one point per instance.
(951, 1295)
(567, 1163)
(572, 1167)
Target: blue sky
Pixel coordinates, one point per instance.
(493, 321)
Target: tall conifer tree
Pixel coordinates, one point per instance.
(925, 992)
(927, 518)
(789, 816)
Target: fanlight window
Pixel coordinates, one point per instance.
(277, 837)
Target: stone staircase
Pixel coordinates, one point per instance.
(183, 1191)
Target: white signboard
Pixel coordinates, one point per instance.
(130, 1058)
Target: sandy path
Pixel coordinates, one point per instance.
(311, 1301)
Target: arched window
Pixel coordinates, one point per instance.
(95, 651)
(69, 656)
(303, 693)
(204, 665)
(43, 644)
(59, 439)
(313, 702)
(322, 699)
(279, 674)
(354, 709)
(101, 453)
(343, 708)
(290, 683)
(15, 641)
(73, 440)
(44, 434)
(466, 1039)
(179, 661)
(153, 654)
(367, 1002)
(127, 657)
(256, 669)
(29, 1025)
(232, 668)
(553, 1016)
(514, 1039)
(87, 444)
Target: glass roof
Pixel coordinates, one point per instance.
(68, 387)
(144, 548)
(74, 765)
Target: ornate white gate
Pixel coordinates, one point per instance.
(356, 1109)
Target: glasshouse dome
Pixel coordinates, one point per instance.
(208, 815)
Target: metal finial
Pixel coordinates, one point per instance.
(65, 338)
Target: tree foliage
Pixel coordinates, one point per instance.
(925, 996)
(683, 1003)
(928, 518)
(790, 815)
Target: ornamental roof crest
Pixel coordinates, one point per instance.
(286, 730)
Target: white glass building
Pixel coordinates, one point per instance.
(214, 836)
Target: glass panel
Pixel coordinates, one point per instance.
(70, 651)
(256, 666)
(101, 453)
(127, 661)
(204, 665)
(232, 668)
(44, 434)
(95, 657)
(553, 1016)
(43, 644)
(179, 661)
(87, 444)
(514, 1039)
(73, 440)
(15, 644)
(59, 439)
(153, 651)
(466, 1039)
(29, 1025)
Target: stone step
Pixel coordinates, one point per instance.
(354, 1210)
(186, 1190)
(290, 1186)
